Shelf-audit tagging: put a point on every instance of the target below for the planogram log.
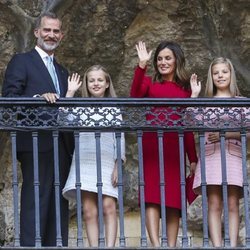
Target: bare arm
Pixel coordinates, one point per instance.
(215, 136)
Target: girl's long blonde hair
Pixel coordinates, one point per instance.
(110, 91)
(210, 90)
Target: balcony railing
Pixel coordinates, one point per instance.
(129, 116)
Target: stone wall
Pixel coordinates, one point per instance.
(105, 32)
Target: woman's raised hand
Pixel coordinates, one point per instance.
(143, 55)
(195, 86)
(74, 84)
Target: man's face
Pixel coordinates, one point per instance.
(49, 34)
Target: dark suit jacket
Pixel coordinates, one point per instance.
(26, 75)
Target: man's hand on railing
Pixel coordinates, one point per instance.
(50, 97)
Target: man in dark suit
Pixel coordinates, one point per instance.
(28, 75)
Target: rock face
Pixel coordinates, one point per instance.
(105, 32)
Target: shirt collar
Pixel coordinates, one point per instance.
(42, 53)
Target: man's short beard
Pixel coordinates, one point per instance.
(45, 46)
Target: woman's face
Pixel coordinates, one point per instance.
(166, 64)
(221, 75)
(96, 83)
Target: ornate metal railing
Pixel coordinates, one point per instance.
(37, 114)
(127, 115)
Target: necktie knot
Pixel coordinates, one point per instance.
(49, 59)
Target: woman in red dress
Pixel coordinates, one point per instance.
(170, 81)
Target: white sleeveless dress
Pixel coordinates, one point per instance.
(88, 167)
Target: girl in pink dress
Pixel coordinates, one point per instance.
(221, 83)
(170, 81)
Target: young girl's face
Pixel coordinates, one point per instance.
(96, 83)
(221, 76)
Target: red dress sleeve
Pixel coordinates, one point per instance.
(140, 84)
(190, 146)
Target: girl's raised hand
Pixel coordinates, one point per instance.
(74, 84)
(195, 86)
(143, 55)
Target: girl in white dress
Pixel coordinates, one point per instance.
(221, 83)
(96, 83)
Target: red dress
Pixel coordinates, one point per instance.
(142, 86)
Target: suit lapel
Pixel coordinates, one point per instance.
(38, 62)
